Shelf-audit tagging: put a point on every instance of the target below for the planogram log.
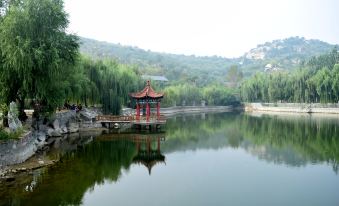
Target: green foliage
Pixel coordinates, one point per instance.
(219, 95)
(36, 52)
(189, 94)
(204, 70)
(310, 84)
(234, 75)
(4, 135)
(286, 54)
(103, 82)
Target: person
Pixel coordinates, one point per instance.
(67, 105)
(80, 107)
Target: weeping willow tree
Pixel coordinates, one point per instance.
(117, 81)
(36, 53)
(316, 82)
(105, 82)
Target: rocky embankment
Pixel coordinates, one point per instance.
(44, 135)
(293, 108)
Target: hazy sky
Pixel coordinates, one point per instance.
(203, 27)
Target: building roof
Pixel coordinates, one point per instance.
(147, 92)
(155, 78)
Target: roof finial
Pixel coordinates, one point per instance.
(148, 83)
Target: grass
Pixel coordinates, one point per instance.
(4, 135)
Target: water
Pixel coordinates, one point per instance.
(205, 159)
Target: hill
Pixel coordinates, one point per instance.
(284, 54)
(193, 68)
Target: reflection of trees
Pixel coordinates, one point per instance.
(79, 171)
(312, 139)
(295, 142)
(67, 181)
(191, 133)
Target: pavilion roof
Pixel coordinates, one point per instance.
(147, 92)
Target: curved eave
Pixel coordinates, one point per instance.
(136, 96)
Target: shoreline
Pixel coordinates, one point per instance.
(293, 108)
(169, 111)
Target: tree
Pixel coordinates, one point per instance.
(37, 53)
(335, 85)
(234, 75)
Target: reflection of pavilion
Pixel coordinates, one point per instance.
(148, 154)
(148, 146)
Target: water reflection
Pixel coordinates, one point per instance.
(80, 170)
(146, 154)
(290, 140)
(281, 140)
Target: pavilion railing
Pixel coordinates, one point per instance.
(152, 117)
(113, 118)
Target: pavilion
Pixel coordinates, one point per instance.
(144, 99)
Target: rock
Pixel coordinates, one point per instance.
(45, 148)
(50, 141)
(57, 143)
(41, 137)
(88, 115)
(73, 127)
(41, 162)
(64, 130)
(56, 124)
(13, 120)
(53, 133)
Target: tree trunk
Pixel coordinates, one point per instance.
(22, 115)
(5, 119)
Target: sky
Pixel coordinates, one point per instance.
(227, 28)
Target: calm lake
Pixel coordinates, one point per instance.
(203, 159)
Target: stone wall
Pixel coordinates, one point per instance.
(194, 109)
(293, 107)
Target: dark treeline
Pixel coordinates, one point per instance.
(316, 81)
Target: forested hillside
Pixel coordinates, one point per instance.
(286, 54)
(173, 66)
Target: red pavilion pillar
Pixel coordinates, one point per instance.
(158, 110)
(147, 111)
(138, 112)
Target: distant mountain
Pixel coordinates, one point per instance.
(285, 54)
